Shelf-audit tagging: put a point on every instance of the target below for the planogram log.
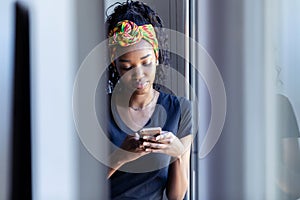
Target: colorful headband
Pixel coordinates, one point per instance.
(127, 33)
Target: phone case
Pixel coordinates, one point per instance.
(153, 131)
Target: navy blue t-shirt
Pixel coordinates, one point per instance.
(146, 177)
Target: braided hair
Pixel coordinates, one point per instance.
(139, 13)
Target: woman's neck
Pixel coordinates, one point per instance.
(140, 101)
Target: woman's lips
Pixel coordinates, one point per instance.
(141, 85)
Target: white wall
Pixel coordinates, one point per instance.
(288, 52)
(53, 68)
(62, 34)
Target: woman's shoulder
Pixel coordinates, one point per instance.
(167, 98)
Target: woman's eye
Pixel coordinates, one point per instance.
(126, 68)
(147, 63)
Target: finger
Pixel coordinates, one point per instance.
(154, 150)
(140, 149)
(164, 135)
(152, 138)
(136, 136)
(166, 141)
(129, 138)
(154, 145)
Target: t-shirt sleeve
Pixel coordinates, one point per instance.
(286, 120)
(185, 122)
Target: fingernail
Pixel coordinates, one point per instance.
(147, 149)
(145, 143)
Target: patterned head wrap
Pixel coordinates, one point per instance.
(127, 33)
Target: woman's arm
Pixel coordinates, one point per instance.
(116, 161)
(179, 149)
(130, 150)
(178, 177)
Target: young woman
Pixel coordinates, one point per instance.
(144, 167)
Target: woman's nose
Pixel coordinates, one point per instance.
(138, 73)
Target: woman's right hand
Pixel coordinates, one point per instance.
(133, 148)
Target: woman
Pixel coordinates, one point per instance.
(289, 157)
(144, 166)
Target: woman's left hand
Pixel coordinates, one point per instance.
(166, 143)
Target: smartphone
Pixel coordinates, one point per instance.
(153, 131)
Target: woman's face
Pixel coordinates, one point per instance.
(137, 67)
